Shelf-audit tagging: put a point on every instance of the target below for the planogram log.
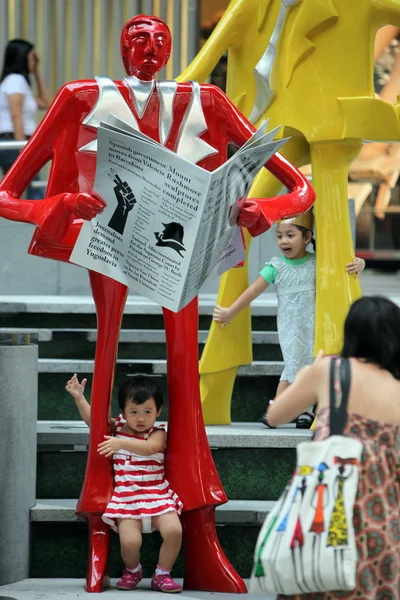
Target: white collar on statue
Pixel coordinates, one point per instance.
(110, 100)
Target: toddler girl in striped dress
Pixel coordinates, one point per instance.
(142, 500)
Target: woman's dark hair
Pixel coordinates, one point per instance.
(138, 389)
(16, 59)
(304, 231)
(372, 332)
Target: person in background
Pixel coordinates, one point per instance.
(18, 104)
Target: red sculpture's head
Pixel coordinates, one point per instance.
(145, 46)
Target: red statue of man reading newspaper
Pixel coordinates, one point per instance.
(197, 122)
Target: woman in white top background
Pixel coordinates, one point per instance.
(18, 104)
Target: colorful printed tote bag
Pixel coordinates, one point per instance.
(307, 543)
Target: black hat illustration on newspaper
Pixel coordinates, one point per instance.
(172, 237)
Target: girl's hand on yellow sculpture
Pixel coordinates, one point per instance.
(356, 266)
(222, 315)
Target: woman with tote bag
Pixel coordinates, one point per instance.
(366, 381)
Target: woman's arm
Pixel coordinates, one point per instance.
(15, 102)
(155, 443)
(224, 315)
(303, 392)
(43, 98)
(383, 37)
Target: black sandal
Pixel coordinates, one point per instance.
(264, 420)
(305, 420)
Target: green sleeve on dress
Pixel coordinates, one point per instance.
(268, 273)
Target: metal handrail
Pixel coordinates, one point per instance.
(12, 144)
(18, 145)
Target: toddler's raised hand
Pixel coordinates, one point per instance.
(221, 315)
(356, 266)
(75, 388)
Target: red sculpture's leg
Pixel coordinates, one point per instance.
(109, 297)
(206, 566)
(190, 466)
(97, 578)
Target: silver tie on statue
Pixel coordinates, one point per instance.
(166, 94)
(263, 69)
(140, 92)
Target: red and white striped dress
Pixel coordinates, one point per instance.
(141, 490)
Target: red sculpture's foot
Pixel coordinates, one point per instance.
(206, 566)
(97, 578)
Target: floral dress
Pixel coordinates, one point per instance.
(294, 281)
(376, 510)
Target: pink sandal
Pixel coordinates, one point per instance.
(165, 583)
(129, 580)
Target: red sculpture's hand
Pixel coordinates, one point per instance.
(298, 200)
(84, 206)
(249, 214)
(56, 217)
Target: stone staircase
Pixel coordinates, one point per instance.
(254, 463)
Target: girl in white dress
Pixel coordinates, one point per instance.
(293, 275)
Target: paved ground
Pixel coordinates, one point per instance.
(381, 284)
(54, 589)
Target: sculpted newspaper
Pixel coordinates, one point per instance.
(169, 226)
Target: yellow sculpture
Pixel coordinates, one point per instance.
(308, 66)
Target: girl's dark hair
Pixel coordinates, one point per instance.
(16, 59)
(372, 332)
(138, 389)
(304, 230)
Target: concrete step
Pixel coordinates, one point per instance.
(54, 589)
(253, 462)
(127, 336)
(47, 312)
(69, 434)
(41, 335)
(157, 366)
(264, 305)
(249, 399)
(80, 343)
(237, 512)
(60, 548)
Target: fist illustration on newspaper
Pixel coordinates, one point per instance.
(126, 201)
(123, 192)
